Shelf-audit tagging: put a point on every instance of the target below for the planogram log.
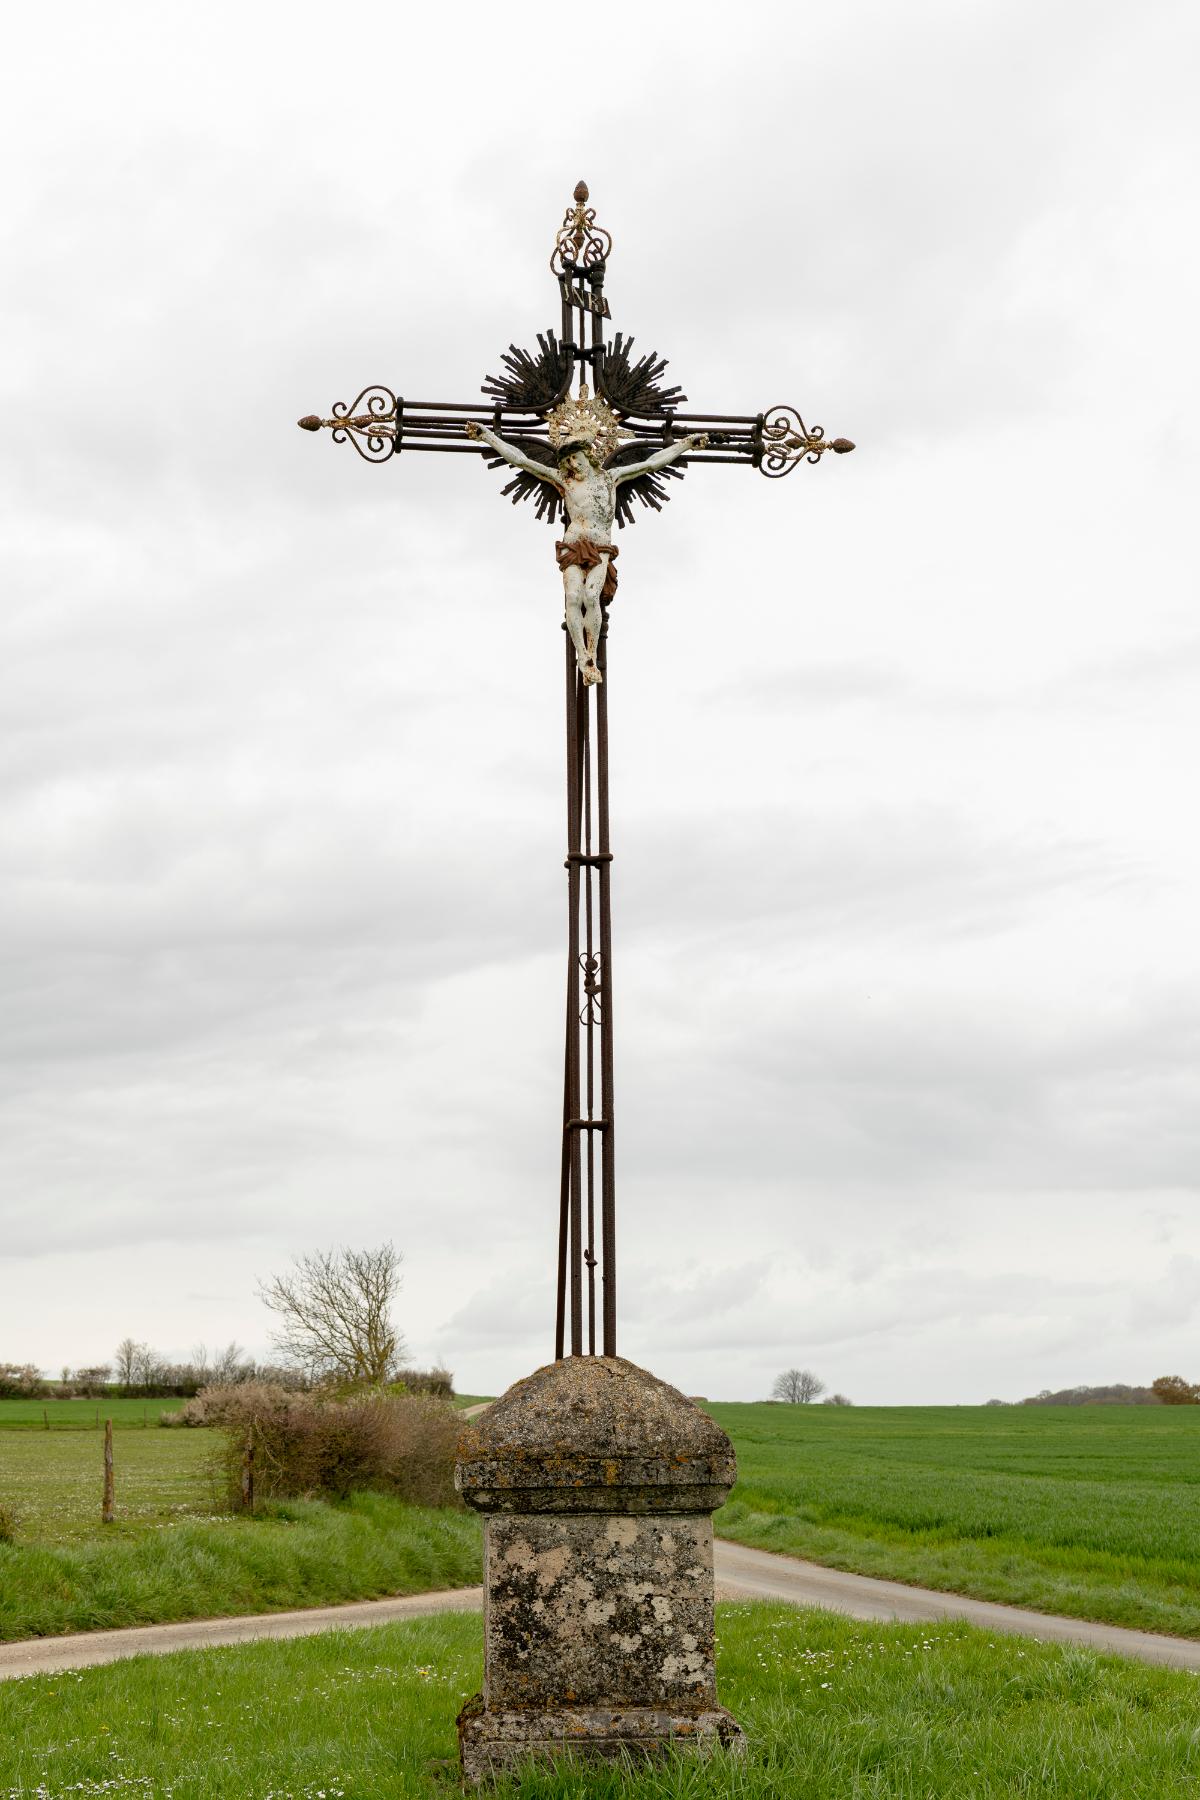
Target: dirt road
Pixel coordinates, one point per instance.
(742, 1574)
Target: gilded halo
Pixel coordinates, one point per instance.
(587, 419)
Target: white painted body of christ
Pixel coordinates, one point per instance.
(589, 495)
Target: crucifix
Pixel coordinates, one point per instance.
(583, 457)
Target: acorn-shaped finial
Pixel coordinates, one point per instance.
(581, 191)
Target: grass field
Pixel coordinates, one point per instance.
(54, 1480)
(82, 1415)
(170, 1555)
(1091, 1511)
(834, 1710)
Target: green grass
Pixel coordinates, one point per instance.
(83, 1415)
(1090, 1511)
(172, 1555)
(834, 1710)
(54, 1481)
(301, 1553)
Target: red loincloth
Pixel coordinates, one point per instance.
(585, 555)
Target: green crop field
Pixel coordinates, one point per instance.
(82, 1415)
(833, 1709)
(1092, 1511)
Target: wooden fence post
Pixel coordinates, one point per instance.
(106, 1511)
(45, 1418)
(248, 1473)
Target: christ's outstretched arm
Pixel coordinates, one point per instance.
(512, 455)
(660, 459)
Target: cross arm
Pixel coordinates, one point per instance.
(380, 424)
(773, 442)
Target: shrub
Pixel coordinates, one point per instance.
(309, 1444)
(21, 1381)
(8, 1523)
(1173, 1390)
(438, 1383)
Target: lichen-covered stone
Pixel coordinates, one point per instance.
(597, 1482)
(594, 1433)
(614, 1611)
(492, 1741)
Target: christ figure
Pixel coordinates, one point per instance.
(585, 551)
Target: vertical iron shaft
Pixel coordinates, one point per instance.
(588, 1014)
(608, 1204)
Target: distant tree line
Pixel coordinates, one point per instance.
(139, 1372)
(1167, 1390)
(334, 1333)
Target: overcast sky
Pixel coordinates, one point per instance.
(904, 747)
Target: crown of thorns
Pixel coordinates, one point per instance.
(588, 421)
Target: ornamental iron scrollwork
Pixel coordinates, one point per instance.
(581, 243)
(589, 1012)
(368, 422)
(786, 440)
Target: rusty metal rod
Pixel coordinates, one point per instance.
(574, 799)
(608, 1200)
(570, 1100)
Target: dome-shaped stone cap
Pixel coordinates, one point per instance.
(594, 1434)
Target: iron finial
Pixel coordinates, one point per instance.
(581, 243)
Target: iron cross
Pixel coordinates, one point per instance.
(583, 458)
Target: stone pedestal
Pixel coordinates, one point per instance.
(597, 1483)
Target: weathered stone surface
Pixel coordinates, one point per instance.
(493, 1741)
(594, 1433)
(612, 1611)
(597, 1482)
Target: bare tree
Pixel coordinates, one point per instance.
(229, 1365)
(94, 1379)
(150, 1370)
(126, 1361)
(797, 1386)
(335, 1313)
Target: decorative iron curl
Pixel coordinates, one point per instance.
(589, 1012)
(785, 440)
(372, 431)
(363, 429)
(580, 243)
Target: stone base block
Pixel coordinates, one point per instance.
(493, 1740)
